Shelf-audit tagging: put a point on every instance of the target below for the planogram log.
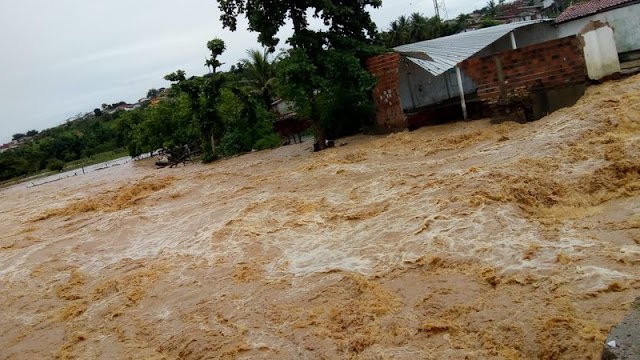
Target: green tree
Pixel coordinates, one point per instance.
(152, 93)
(167, 125)
(415, 28)
(125, 127)
(248, 125)
(261, 75)
(492, 9)
(421, 28)
(217, 47)
(203, 94)
(399, 33)
(485, 23)
(308, 72)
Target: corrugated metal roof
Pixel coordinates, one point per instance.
(589, 8)
(447, 52)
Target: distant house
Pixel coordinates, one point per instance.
(283, 109)
(427, 82)
(127, 107)
(12, 145)
(527, 15)
(621, 15)
(523, 10)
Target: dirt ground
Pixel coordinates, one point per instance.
(461, 241)
(623, 341)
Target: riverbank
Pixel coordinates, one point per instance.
(103, 158)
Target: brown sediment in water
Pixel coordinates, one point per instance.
(465, 240)
(121, 198)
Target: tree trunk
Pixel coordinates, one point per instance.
(213, 145)
(321, 142)
(316, 122)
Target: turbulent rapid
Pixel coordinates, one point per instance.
(468, 240)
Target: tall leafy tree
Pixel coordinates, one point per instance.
(204, 94)
(417, 27)
(309, 72)
(492, 9)
(260, 71)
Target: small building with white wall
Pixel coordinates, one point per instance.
(428, 72)
(623, 16)
(600, 51)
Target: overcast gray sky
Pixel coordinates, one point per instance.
(59, 58)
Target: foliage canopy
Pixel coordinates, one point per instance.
(325, 66)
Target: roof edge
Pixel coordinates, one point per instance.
(614, 7)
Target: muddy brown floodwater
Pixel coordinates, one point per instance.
(461, 241)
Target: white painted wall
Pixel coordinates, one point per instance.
(600, 53)
(284, 108)
(418, 88)
(625, 22)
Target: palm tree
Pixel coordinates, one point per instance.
(400, 31)
(419, 26)
(261, 74)
(414, 28)
(492, 9)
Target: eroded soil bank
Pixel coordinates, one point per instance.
(461, 241)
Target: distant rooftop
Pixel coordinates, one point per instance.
(591, 7)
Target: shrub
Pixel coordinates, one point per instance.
(268, 142)
(55, 165)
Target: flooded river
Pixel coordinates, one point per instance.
(461, 241)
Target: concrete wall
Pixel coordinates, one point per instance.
(530, 35)
(386, 94)
(600, 52)
(625, 22)
(536, 34)
(418, 88)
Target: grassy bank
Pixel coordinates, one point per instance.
(95, 159)
(72, 165)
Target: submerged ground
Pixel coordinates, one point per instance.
(461, 241)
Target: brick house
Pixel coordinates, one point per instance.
(432, 81)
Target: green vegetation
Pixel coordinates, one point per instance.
(323, 72)
(406, 30)
(217, 114)
(417, 27)
(71, 141)
(322, 75)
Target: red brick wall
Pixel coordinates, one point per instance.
(386, 97)
(550, 64)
